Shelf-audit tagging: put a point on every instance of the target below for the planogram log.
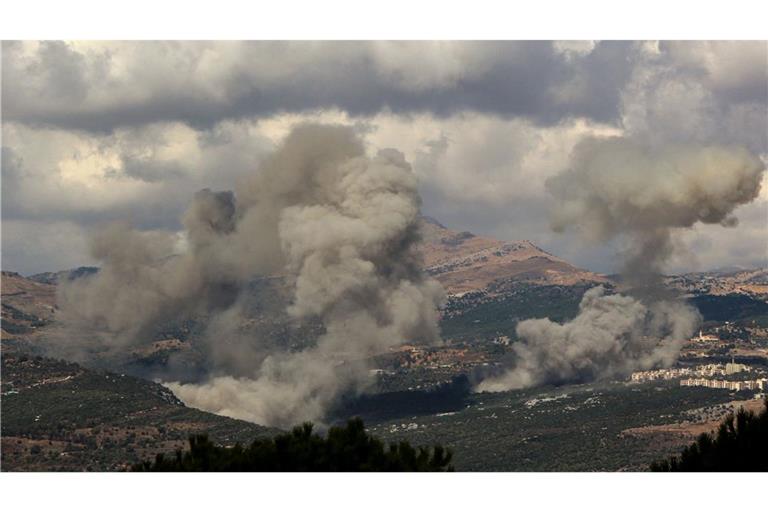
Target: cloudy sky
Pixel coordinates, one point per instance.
(96, 132)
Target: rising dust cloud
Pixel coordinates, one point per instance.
(618, 187)
(342, 227)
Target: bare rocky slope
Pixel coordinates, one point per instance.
(26, 305)
(464, 262)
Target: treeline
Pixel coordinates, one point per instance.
(347, 448)
(741, 444)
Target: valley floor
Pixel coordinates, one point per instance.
(597, 427)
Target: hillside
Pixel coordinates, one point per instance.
(461, 261)
(605, 426)
(57, 277)
(464, 262)
(58, 415)
(751, 282)
(26, 305)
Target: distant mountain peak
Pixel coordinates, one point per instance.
(463, 261)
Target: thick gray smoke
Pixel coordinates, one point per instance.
(612, 335)
(145, 279)
(620, 188)
(340, 226)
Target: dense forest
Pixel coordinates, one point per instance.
(741, 444)
(347, 448)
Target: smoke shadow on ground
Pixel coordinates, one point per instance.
(447, 397)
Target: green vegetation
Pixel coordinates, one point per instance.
(348, 448)
(733, 307)
(584, 427)
(445, 397)
(58, 415)
(741, 444)
(482, 316)
(16, 321)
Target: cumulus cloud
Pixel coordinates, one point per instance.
(144, 174)
(729, 67)
(148, 174)
(699, 92)
(111, 130)
(113, 84)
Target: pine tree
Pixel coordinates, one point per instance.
(741, 444)
(347, 448)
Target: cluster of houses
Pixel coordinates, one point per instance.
(733, 385)
(708, 370)
(702, 376)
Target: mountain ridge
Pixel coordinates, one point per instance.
(464, 262)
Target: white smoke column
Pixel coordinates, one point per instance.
(619, 187)
(340, 225)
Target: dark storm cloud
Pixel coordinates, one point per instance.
(57, 84)
(738, 71)
(99, 131)
(62, 70)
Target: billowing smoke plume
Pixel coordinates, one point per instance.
(618, 187)
(611, 335)
(143, 280)
(341, 226)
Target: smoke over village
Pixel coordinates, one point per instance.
(617, 188)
